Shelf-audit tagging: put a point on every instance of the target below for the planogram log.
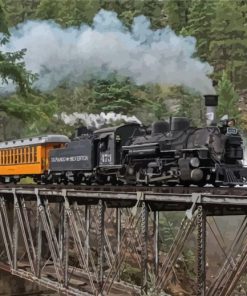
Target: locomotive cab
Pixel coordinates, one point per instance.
(109, 141)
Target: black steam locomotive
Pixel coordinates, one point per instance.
(170, 153)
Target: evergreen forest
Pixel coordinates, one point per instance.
(219, 28)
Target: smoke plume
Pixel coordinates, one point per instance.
(96, 120)
(77, 54)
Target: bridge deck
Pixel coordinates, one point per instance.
(218, 201)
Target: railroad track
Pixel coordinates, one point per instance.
(237, 191)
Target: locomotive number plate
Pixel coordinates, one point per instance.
(232, 130)
(106, 158)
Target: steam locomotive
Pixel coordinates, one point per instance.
(171, 153)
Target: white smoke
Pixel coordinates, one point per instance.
(96, 120)
(76, 54)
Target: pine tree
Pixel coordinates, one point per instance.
(199, 25)
(115, 95)
(228, 98)
(177, 14)
(68, 12)
(228, 48)
(19, 11)
(48, 10)
(190, 105)
(3, 23)
(154, 10)
(128, 9)
(76, 12)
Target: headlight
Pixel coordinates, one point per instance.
(194, 162)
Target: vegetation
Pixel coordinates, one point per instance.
(219, 26)
(220, 29)
(12, 68)
(228, 98)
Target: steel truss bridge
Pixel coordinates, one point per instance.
(79, 240)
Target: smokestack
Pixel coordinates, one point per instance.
(211, 102)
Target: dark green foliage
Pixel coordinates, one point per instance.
(33, 110)
(178, 14)
(76, 12)
(228, 48)
(228, 98)
(73, 12)
(128, 9)
(154, 105)
(200, 16)
(114, 95)
(48, 10)
(12, 67)
(3, 23)
(189, 105)
(20, 10)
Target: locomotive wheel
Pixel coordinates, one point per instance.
(158, 184)
(101, 180)
(171, 184)
(185, 183)
(201, 184)
(77, 180)
(114, 181)
(88, 181)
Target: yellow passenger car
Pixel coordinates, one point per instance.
(28, 157)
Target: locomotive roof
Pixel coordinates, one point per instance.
(35, 141)
(115, 128)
